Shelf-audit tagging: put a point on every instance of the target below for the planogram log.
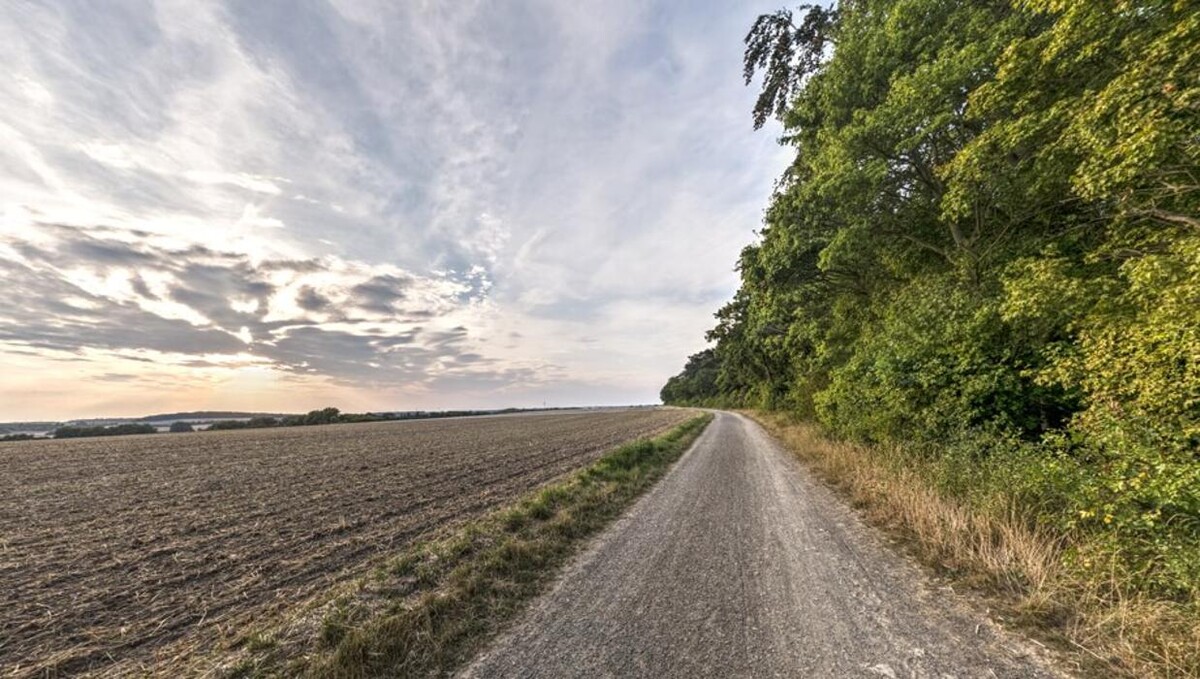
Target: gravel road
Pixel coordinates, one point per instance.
(740, 564)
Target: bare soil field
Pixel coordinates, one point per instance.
(118, 555)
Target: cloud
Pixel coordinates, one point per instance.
(309, 299)
(254, 183)
(381, 294)
(383, 202)
(81, 291)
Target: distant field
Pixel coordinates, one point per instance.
(118, 553)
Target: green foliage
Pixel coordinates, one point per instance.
(939, 360)
(115, 430)
(323, 416)
(696, 384)
(252, 423)
(1103, 103)
(786, 54)
(987, 251)
(180, 427)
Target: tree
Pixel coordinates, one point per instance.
(786, 54)
(323, 416)
(696, 384)
(180, 426)
(987, 249)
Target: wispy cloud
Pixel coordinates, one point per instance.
(87, 289)
(384, 204)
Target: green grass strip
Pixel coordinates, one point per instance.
(428, 610)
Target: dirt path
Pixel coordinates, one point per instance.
(739, 564)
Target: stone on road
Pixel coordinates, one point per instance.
(740, 564)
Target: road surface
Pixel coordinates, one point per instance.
(740, 564)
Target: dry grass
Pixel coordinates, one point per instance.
(1102, 629)
(429, 608)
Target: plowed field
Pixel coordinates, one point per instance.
(117, 553)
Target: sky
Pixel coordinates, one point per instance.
(282, 205)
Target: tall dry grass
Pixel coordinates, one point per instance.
(1101, 627)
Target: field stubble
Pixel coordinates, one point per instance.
(119, 554)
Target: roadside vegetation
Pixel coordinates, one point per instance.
(425, 611)
(1025, 571)
(981, 273)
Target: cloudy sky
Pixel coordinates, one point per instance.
(279, 205)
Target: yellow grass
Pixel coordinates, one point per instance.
(1020, 569)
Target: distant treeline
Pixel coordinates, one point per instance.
(335, 416)
(323, 416)
(313, 417)
(115, 430)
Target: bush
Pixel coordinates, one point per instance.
(941, 360)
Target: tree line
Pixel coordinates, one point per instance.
(313, 417)
(987, 250)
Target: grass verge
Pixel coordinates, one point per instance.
(430, 608)
(1105, 629)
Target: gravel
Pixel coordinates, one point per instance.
(740, 564)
